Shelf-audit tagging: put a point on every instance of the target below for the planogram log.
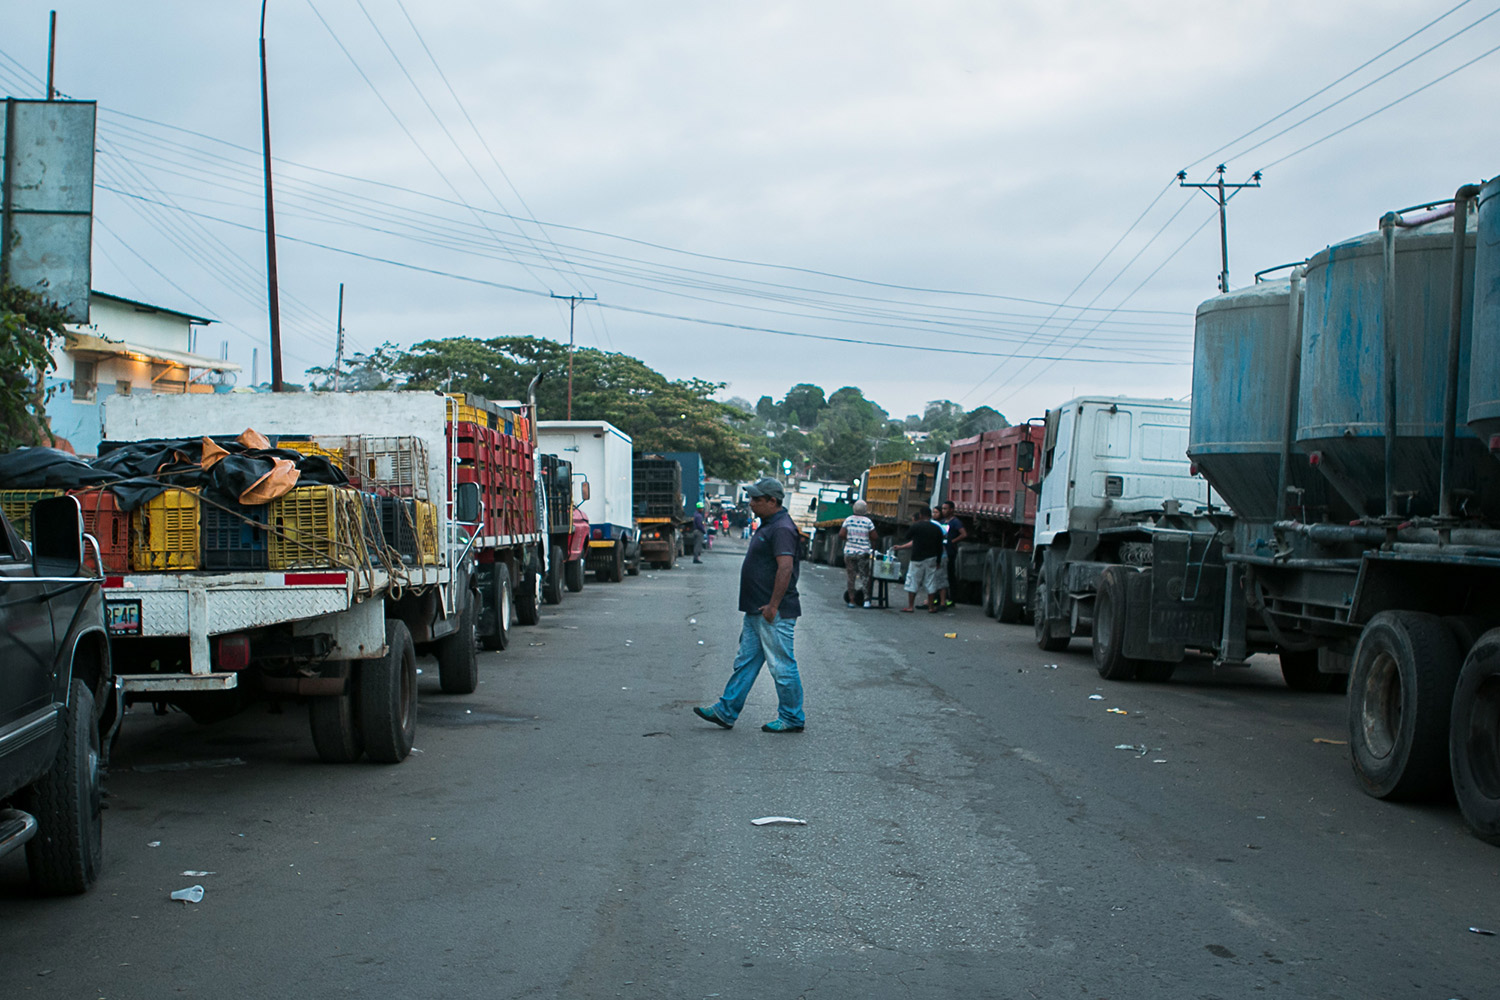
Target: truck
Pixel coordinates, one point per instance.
(603, 478)
(1120, 526)
(326, 593)
(894, 490)
(834, 504)
(567, 530)
(658, 507)
(990, 482)
(60, 702)
(1353, 424)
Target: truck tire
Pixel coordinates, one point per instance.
(837, 545)
(1007, 608)
(1111, 608)
(334, 720)
(573, 574)
(987, 583)
(498, 611)
(633, 560)
(388, 697)
(67, 851)
(1474, 738)
(1299, 668)
(458, 654)
(528, 597)
(617, 563)
(1041, 618)
(1400, 698)
(552, 583)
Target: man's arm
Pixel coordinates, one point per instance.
(778, 587)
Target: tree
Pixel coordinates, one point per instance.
(802, 405)
(765, 409)
(361, 373)
(981, 419)
(28, 326)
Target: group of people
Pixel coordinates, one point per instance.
(933, 542)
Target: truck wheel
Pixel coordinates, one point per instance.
(987, 582)
(1041, 623)
(552, 583)
(65, 855)
(458, 654)
(388, 697)
(617, 563)
(499, 608)
(573, 575)
(1299, 668)
(1400, 697)
(837, 559)
(528, 597)
(633, 561)
(1007, 608)
(1474, 738)
(671, 560)
(1110, 610)
(335, 725)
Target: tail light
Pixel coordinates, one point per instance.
(1315, 458)
(234, 652)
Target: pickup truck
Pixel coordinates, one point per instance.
(59, 701)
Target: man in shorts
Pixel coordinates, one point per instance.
(924, 573)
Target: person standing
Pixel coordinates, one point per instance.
(953, 533)
(860, 539)
(923, 572)
(700, 525)
(769, 601)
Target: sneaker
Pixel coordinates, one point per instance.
(867, 604)
(778, 725)
(709, 715)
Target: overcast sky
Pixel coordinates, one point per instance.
(946, 176)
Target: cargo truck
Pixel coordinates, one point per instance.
(567, 530)
(834, 504)
(1353, 422)
(991, 484)
(327, 593)
(602, 483)
(893, 491)
(658, 508)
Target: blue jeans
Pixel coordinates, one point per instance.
(769, 643)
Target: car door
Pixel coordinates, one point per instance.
(27, 652)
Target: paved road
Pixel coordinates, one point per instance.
(573, 831)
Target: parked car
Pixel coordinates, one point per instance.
(59, 701)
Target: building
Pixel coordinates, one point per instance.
(127, 347)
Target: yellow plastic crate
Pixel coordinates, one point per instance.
(463, 411)
(166, 532)
(316, 527)
(334, 455)
(427, 532)
(17, 507)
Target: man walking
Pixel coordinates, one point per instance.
(700, 525)
(924, 572)
(768, 599)
(860, 538)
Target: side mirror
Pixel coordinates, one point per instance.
(467, 507)
(584, 489)
(1026, 456)
(57, 537)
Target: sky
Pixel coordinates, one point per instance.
(957, 199)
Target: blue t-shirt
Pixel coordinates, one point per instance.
(777, 536)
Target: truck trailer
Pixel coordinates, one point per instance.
(602, 480)
(992, 487)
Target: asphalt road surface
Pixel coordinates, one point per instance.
(572, 830)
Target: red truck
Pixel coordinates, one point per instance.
(989, 480)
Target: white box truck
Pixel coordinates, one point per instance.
(603, 475)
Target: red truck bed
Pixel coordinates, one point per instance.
(983, 480)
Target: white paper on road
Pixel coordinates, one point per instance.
(193, 894)
(785, 820)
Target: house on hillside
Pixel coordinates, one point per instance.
(126, 347)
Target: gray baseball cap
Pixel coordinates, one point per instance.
(766, 487)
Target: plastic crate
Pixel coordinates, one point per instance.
(314, 527)
(17, 507)
(335, 456)
(410, 528)
(235, 537)
(427, 532)
(110, 526)
(391, 466)
(165, 532)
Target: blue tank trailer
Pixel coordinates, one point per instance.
(1349, 414)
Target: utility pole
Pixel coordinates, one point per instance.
(338, 357)
(573, 301)
(265, 141)
(51, 54)
(1216, 190)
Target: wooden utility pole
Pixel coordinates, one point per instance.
(573, 301)
(265, 142)
(1216, 190)
(338, 357)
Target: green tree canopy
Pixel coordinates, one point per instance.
(28, 325)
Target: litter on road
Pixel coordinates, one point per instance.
(1116, 711)
(1336, 743)
(192, 894)
(1096, 697)
(198, 874)
(1481, 930)
(782, 820)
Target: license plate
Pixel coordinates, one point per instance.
(122, 617)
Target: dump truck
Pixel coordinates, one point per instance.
(602, 481)
(991, 483)
(893, 491)
(324, 593)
